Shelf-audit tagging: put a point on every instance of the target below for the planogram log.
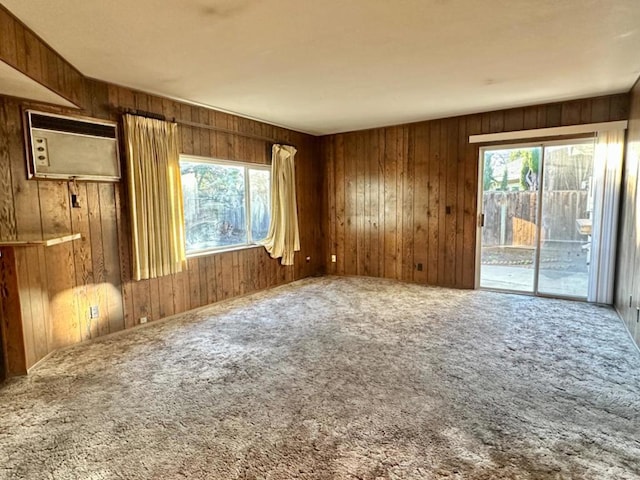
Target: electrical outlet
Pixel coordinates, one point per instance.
(308, 259)
(94, 311)
(143, 320)
(334, 258)
(419, 267)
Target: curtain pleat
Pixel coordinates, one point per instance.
(607, 180)
(155, 197)
(283, 238)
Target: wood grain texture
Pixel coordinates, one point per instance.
(8, 130)
(3, 359)
(82, 256)
(382, 200)
(24, 51)
(627, 297)
(34, 301)
(11, 310)
(406, 195)
(24, 311)
(203, 280)
(25, 307)
(96, 269)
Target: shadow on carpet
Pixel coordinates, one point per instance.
(338, 378)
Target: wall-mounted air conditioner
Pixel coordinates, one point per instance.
(61, 147)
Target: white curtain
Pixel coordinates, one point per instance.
(607, 179)
(283, 238)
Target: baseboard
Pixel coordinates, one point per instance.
(152, 323)
(626, 328)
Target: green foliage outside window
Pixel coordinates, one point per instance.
(218, 210)
(530, 158)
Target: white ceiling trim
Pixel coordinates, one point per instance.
(549, 132)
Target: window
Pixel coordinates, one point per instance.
(226, 204)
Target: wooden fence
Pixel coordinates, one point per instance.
(510, 217)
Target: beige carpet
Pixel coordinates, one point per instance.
(338, 378)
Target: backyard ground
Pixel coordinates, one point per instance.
(563, 269)
(554, 257)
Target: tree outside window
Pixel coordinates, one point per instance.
(225, 205)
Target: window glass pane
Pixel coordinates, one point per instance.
(259, 203)
(567, 204)
(510, 209)
(214, 205)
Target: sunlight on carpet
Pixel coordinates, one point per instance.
(338, 378)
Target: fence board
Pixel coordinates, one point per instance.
(510, 217)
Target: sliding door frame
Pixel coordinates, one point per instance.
(480, 223)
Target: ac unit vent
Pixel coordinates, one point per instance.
(62, 147)
(68, 125)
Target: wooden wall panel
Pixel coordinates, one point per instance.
(24, 308)
(393, 198)
(24, 51)
(3, 360)
(96, 270)
(419, 183)
(8, 130)
(64, 269)
(474, 125)
(207, 280)
(110, 259)
(25, 287)
(11, 315)
(627, 299)
(31, 282)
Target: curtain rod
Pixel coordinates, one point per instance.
(156, 116)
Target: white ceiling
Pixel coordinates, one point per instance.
(334, 65)
(16, 84)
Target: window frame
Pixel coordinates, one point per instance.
(247, 201)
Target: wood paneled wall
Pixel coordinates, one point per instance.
(217, 277)
(406, 195)
(96, 269)
(627, 300)
(382, 200)
(25, 316)
(25, 51)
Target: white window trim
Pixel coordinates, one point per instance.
(548, 132)
(230, 163)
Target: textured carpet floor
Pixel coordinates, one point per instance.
(338, 378)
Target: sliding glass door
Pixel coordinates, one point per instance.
(536, 204)
(567, 205)
(510, 216)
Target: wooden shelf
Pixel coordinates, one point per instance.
(24, 316)
(45, 242)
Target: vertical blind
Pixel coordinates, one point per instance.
(607, 180)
